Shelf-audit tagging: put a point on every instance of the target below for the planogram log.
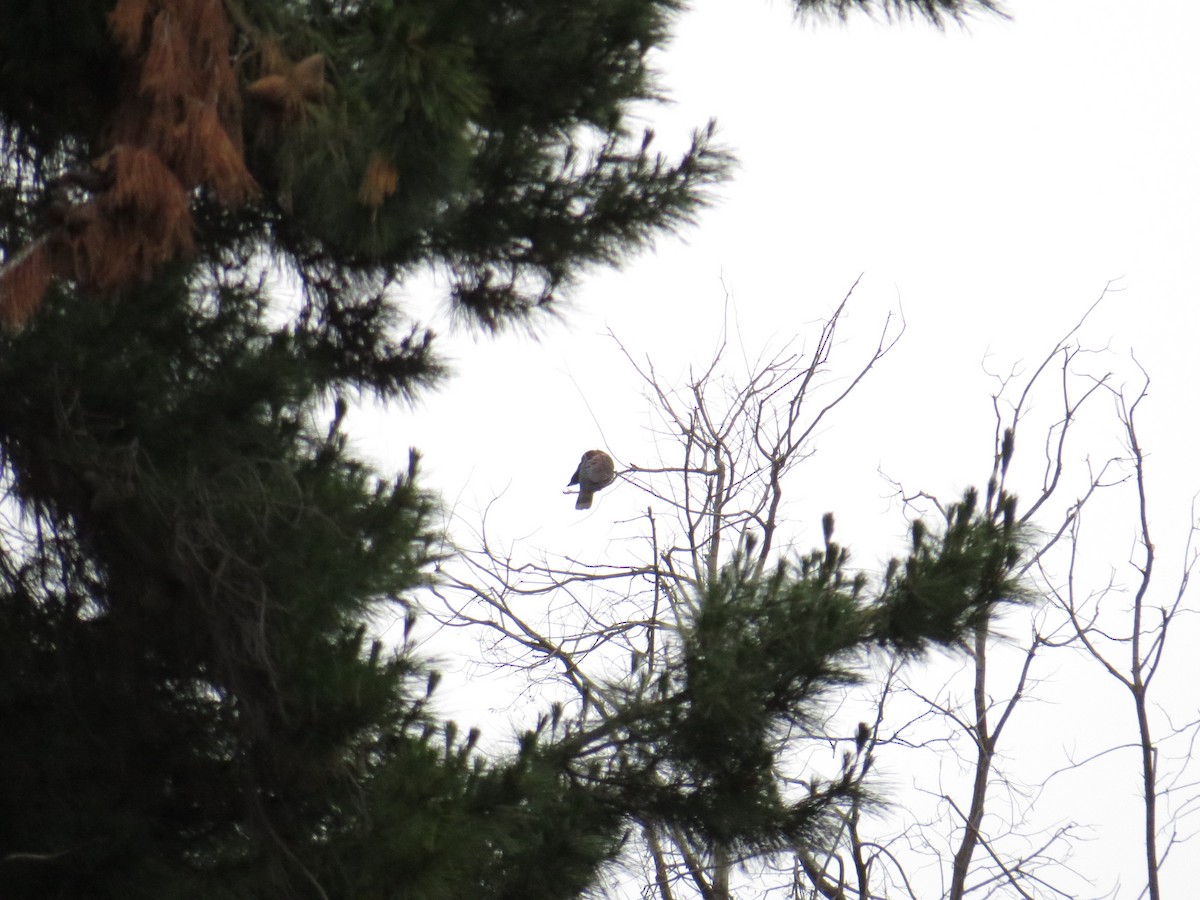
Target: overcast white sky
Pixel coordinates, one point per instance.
(989, 182)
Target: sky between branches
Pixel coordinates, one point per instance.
(988, 182)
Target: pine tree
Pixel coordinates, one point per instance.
(359, 141)
(191, 561)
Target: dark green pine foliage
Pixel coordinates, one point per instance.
(935, 11)
(191, 704)
(489, 140)
(192, 707)
(191, 562)
(702, 748)
(198, 566)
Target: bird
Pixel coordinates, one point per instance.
(595, 471)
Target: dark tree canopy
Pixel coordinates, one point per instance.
(359, 140)
(190, 560)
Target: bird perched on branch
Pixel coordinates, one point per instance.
(595, 471)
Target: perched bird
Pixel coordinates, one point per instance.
(595, 471)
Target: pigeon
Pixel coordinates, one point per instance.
(595, 471)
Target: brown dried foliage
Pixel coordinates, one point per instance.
(184, 104)
(23, 282)
(288, 88)
(133, 228)
(176, 128)
(379, 182)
